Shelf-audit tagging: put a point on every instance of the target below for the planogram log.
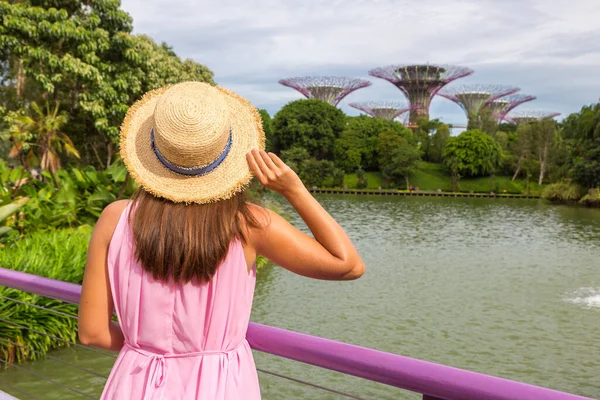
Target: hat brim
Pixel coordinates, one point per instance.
(229, 178)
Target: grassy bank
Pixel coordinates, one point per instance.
(431, 177)
(58, 255)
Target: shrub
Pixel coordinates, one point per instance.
(472, 153)
(592, 199)
(57, 255)
(562, 192)
(361, 177)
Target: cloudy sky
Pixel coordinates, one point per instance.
(548, 48)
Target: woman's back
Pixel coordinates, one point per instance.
(193, 149)
(182, 340)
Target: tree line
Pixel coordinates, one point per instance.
(322, 144)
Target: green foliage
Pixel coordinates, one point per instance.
(563, 192)
(473, 153)
(54, 254)
(397, 157)
(312, 172)
(267, 125)
(9, 209)
(37, 138)
(404, 160)
(438, 142)
(592, 198)
(581, 132)
(484, 121)
(294, 157)
(358, 144)
(81, 197)
(423, 134)
(350, 148)
(316, 172)
(374, 180)
(85, 57)
(338, 177)
(311, 124)
(361, 179)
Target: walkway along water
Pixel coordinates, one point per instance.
(434, 381)
(419, 193)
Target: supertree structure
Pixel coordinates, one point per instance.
(530, 116)
(331, 89)
(502, 106)
(389, 110)
(420, 82)
(473, 97)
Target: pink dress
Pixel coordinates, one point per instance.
(182, 341)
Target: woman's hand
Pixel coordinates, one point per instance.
(274, 173)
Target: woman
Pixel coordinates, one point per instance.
(177, 263)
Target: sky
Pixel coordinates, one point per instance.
(548, 48)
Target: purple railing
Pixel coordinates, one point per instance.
(434, 381)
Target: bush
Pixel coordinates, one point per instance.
(592, 199)
(362, 181)
(316, 173)
(472, 153)
(57, 255)
(311, 124)
(563, 192)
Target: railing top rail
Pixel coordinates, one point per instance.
(403, 372)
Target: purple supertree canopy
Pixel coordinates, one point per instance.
(389, 110)
(331, 89)
(502, 106)
(473, 97)
(420, 82)
(529, 116)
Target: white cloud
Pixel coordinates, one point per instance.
(550, 48)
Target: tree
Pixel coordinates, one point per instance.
(358, 143)
(543, 138)
(472, 153)
(423, 134)
(438, 142)
(82, 55)
(398, 157)
(267, 125)
(483, 120)
(404, 159)
(581, 134)
(294, 157)
(311, 124)
(521, 146)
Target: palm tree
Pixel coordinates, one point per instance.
(42, 130)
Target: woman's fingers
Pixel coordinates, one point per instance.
(262, 166)
(268, 162)
(254, 166)
(276, 160)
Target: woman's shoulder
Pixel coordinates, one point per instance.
(109, 218)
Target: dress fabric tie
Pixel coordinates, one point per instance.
(158, 365)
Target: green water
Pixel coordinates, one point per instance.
(505, 287)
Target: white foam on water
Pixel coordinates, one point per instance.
(588, 297)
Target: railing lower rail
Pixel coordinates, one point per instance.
(434, 381)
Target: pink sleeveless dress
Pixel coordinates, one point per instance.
(182, 341)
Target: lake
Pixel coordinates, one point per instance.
(504, 287)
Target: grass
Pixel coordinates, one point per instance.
(430, 177)
(57, 255)
(374, 180)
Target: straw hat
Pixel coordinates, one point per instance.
(188, 142)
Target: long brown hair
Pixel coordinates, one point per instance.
(186, 242)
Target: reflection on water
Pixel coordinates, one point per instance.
(505, 287)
